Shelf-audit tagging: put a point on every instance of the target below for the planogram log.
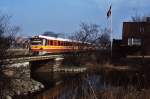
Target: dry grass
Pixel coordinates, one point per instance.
(124, 93)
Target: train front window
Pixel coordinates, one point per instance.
(36, 41)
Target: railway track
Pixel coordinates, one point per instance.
(28, 59)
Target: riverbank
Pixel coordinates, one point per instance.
(129, 92)
(121, 80)
(16, 80)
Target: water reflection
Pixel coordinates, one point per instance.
(85, 85)
(72, 88)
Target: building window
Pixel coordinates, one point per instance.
(141, 29)
(130, 41)
(134, 41)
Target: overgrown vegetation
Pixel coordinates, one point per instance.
(7, 35)
(93, 34)
(99, 40)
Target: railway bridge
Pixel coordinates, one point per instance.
(36, 61)
(28, 59)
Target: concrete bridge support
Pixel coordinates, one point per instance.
(57, 63)
(48, 68)
(53, 64)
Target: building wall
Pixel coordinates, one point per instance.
(139, 31)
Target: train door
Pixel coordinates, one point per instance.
(44, 42)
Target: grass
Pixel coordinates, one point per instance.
(125, 85)
(129, 92)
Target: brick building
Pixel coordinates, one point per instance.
(135, 38)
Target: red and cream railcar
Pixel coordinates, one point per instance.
(45, 44)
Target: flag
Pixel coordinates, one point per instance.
(109, 12)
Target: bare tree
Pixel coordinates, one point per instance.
(93, 34)
(138, 18)
(104, 39)
(7, 34)
(87, 33)
(97, 37)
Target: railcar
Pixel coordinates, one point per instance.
(45, 44)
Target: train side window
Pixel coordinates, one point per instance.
(62, 43)
(55, 43)
(51, 42)
(58, 43)
(70, 43)
(66, 43)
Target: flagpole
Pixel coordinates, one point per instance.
(111, 31)
(109, 14)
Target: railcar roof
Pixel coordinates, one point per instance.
(54, 38)
(60, 39)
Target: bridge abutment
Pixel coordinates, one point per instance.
(57, 63)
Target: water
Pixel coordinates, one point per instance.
(73, 87)
(84, 85)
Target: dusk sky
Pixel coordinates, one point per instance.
(64, 16)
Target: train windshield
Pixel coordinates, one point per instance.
(36, 41)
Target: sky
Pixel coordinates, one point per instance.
(64, 16)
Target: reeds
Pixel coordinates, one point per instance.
(124, 93)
